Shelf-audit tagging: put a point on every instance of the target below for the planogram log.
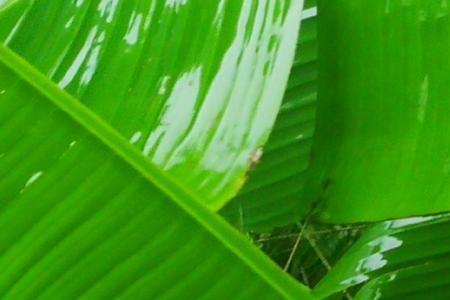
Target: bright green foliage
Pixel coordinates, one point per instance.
(123, 123)
(195, 84)
(272, 195)
(84, 214)
(428, 281)
(382, 147)
(10, 12)
(400, 259)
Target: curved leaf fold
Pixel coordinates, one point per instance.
(399, 259)
(85, 215)
(195, 85)
(272, 196)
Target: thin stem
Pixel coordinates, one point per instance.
(304, 276)
(278, 237)
(296, 244)
(318, 252)
(315, 232)
(324, 231)
(322, 258)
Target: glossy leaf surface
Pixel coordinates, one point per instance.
(400, 259)
(85, 215)
(383, 144)
(428, 281)
(272, 195)
(195, 84)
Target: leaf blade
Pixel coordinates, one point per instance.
(382, 125)
(85, 212)
(272, 196)
(187, 83)
(390, 249)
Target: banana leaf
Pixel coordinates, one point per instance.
(398, 259)
(409, 283)
(272, 196)
(195, 85)
(84, 215)
(382, 141)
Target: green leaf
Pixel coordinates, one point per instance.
(427, 281)
(85, 215)
(10, 12)
(382, 147)
(272, 195)
(195, 85)
(403, 259)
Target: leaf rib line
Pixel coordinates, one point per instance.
(226, 235)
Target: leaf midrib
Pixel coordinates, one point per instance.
(183, 198)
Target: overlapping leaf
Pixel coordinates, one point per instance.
(85, 215)
(382, 147)
(272, 195)
(400, 259)
(194, 84)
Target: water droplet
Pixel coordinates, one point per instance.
(309, 13)
(132, 35)
(354, 280)
(175, 4)
(163, 85)
(136, 137)
(33, 178)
